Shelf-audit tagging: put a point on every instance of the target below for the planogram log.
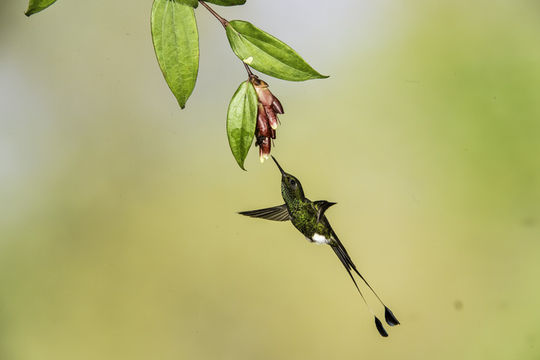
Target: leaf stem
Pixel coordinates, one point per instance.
(223, 21)
(248, 69)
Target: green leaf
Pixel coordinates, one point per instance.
(192, 3)
(241, 121)
(226, 2)
(176, 43)
(267, 54)
(35, 6)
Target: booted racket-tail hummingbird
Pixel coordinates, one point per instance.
(310, 219)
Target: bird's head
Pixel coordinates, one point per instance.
(290, 186)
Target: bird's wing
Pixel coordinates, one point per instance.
(322, 206)
(276, 213)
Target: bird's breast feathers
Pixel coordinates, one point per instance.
(304, 218)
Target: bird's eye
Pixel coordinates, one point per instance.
(293, 182)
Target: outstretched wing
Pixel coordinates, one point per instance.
(322, 206)
(276, 213)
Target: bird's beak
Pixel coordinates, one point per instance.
(279, 167)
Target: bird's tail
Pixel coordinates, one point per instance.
(345, 259)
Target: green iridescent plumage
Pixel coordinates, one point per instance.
(309, 218)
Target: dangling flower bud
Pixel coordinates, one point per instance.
(276, 105)
(272, 118)
(264, 149)
(262, 128)
(263, 93)
(267, 120)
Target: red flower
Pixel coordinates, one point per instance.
(267, 120)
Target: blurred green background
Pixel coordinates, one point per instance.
(118, 232)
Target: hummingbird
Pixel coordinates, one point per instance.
(309, 218)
